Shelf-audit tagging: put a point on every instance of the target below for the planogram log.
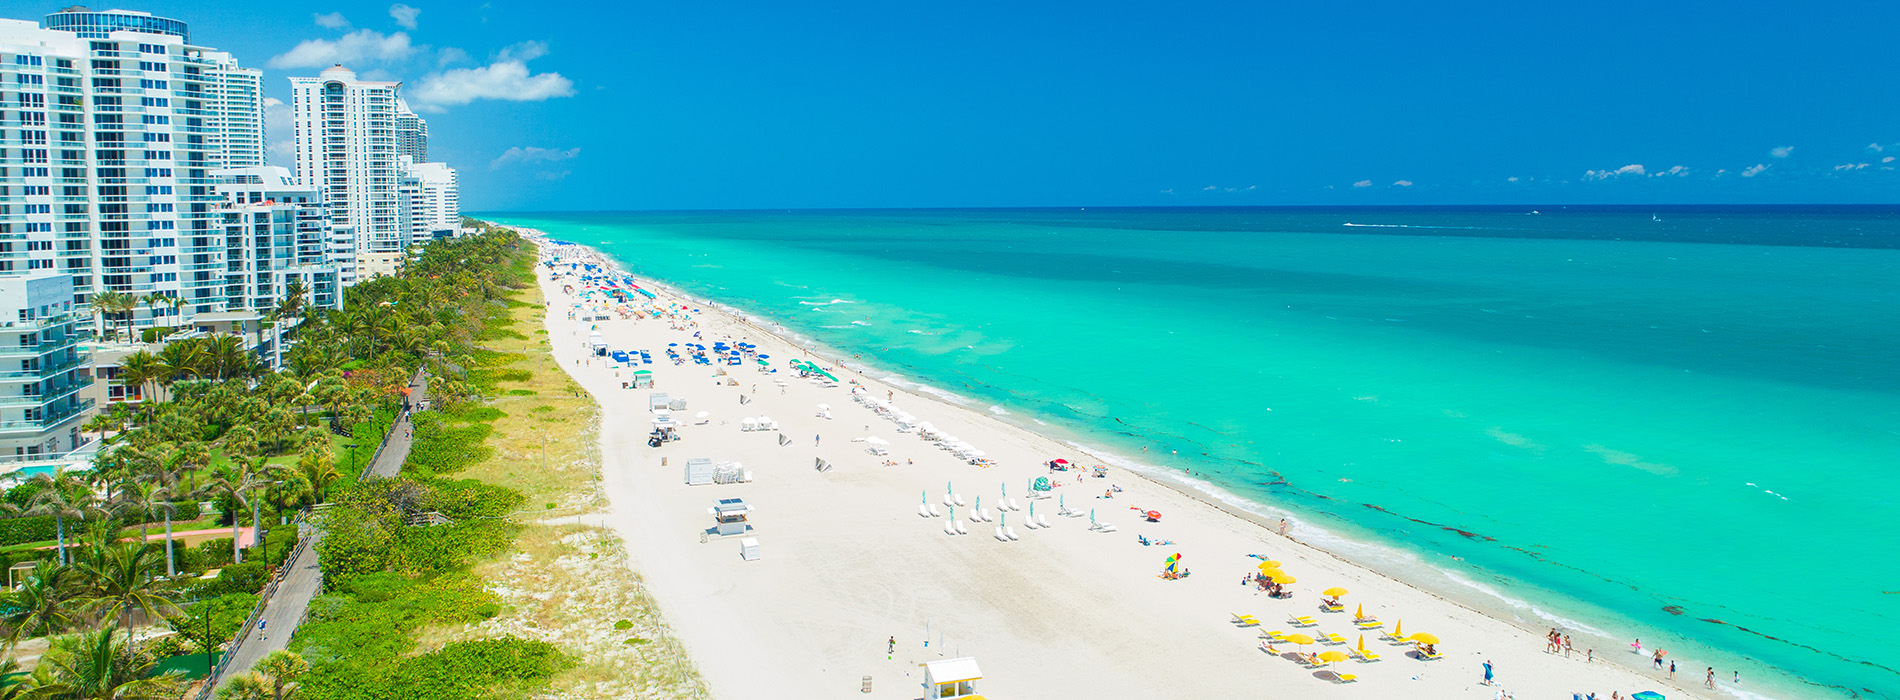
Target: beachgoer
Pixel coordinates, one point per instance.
(1738, 677)
(1672, 670)
(1589, 656)
(265, 634)
(1487, 672)
(1567, 646)
(814, 440)
(893, 647)
(1711, 677)
(1656, 659)
(1283, 527)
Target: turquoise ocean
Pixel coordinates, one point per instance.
(1675, 423)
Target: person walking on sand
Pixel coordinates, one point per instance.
(1672, 669)
(814, 440)
(1711, 678)
(1487, 672)
(893, 648)
(1283, 527)
(1567, 646)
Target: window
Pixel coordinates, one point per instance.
(35, 189)
(152, 65)
(158, 189)
(29, 79)
(39, 209)
(104, 46)
(151, 137)
(158, 172)
(154, 102)
(149, 48)
(156, 118)
(26, 60)
(152, 84)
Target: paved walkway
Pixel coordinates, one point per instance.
(303, 577)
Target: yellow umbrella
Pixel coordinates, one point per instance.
(1360, 614)
(1362, 643)
(1269, 565)
(1424, 638)
(1282, 578)
(1398, 630)
(1299, 639)
(1333, 656)
(1335, 592)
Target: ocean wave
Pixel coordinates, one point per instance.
(1517, 603)
(858, 323)
(998, 410)
(827, 303)
(919, 332)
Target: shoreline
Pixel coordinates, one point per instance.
(1203, 494)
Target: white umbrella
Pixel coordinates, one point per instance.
(702, 414)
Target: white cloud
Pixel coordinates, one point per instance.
(533, 154)
(1362, 183)
(1781, 151)
(522, 52)
(1168, 191)
(1631, 169)
(1512, 178)
(354, 47)
(1209, 188)
(277, 116)
(283, 153)
(333, 20)
(404, 15)
(502, 80)
(1888, 159)
(1875, 147)
(1402, 183)
(450, 56)
(1753, 170)
(1851, 166)
(1676, 170)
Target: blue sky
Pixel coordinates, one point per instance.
(686, 105)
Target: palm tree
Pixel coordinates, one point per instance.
(123, 583)
(245, 686)
(152, 301)
(106, 305)
(142, 368)
(145, 498)
(15, 684)
(281, 669)
(236, 480)
(61, 496)
(97, 666)
(43, 604)
(317, 467)
(169, 476)
(181, 358)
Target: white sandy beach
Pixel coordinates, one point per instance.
(1062, 613)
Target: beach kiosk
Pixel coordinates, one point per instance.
(643, 379)
(657, 401)
(951, 678)
(598, 342)
(731, 516)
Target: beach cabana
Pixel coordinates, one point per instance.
(951, 678)
(598, 342)
(643, 379)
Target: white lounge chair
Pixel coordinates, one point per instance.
(1105, 527)
(923, 510)
(1042, 520)
(949, 500)
(1029, 523)
(1013, 505)
(949, 528)
(1000, 537)
(976, 515)
(1011, 531)
(986, 515)
(959, 500)
(960, 529)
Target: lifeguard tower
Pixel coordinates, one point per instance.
(952, 678)
(731, 516)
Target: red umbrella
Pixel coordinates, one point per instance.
(1154, 516)
(1062, 461)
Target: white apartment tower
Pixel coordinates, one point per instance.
(276, 231)
(432, 201)
(347, 149)
(110, 123)
(412, 133)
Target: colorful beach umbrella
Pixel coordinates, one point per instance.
(1424, 638)
(1335, 592)
(1333, 656)
(1299, 639)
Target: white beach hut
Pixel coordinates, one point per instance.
(951, 678)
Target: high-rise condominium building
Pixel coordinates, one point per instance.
(432, 206)
(110, 126)
(277, 232)
(346, 148)
(412, 133)
(40, 374)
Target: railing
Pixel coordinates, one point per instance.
(257, 613)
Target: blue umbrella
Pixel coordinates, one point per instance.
(1647, 695)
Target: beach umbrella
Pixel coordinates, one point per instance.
(1330, 656)
(1299, 639)
(1283, 579)
(1269, 564)
(1398, 630)
(1335, 592)
(1360, 614)
(1362, 643)
(672, 345)
(1647, 695)
(1091, 516)
(926, 495)
(1424, 638)
(1270, 573)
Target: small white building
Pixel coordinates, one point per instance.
(951, 678)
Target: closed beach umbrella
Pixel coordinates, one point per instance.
(1333, 656)
(1335, 592)
(1424, 638)
(1360, 613)
(1398, 630)
(1362, 642)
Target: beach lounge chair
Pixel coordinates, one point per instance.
(949, 500)
(1106, 528)
(1000, 537)
(1275, 635)
(1302, 621)
(976, 515)
(1333, 638)
(1013, 505)
(923, 510)
(1042, 520)
(1334, 608)
(1245, 620)
(1368, 624)
(950, 528)
(933, 507)
(1011, 531)
(960, 529)
(1422, 656)
(959, 500)
(1029, 523)
(1345, 677)
(986, 515)
(1364, 655)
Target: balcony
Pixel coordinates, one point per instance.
(61, 392)
(52, 419)
(43, 372)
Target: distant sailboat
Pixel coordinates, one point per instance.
(1655, 218)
